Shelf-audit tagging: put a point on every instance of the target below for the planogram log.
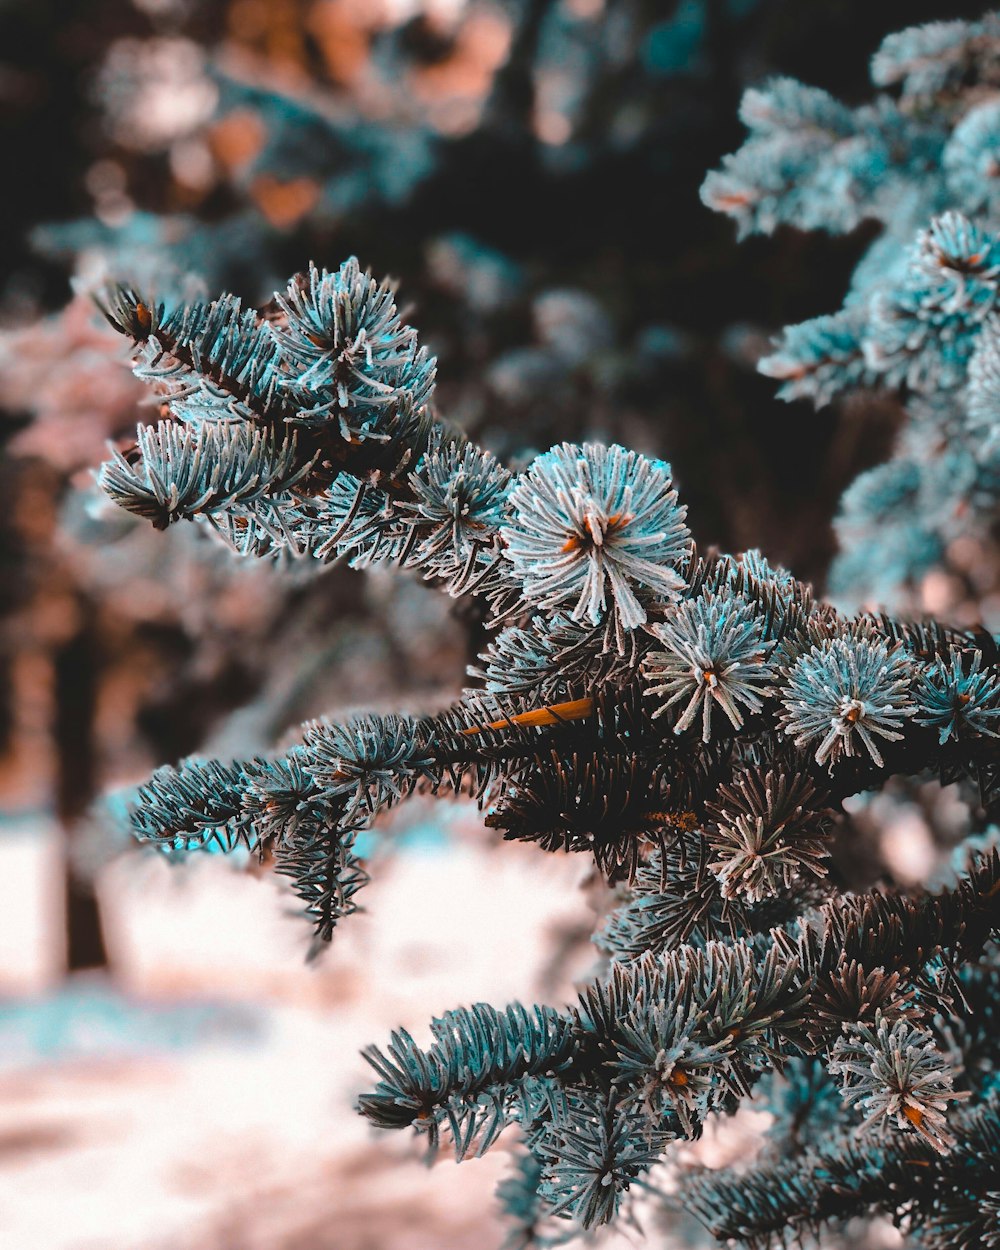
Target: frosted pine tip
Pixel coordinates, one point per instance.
(553, 714)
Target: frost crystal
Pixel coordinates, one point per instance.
(845, 691)
(350, 357)
(715, 653)
(586, 519)
(460, 493)
(959, 703)
(896, 1073)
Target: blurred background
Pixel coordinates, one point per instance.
(171, 1071)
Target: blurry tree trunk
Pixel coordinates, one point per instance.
(77, 667)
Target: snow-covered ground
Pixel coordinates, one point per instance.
(203, 1097)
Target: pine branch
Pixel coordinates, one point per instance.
(468, 1079)
(692, 722)
(664, 1041)
(950, 1198)
(335, 364)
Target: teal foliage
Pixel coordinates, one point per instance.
(919, 318)
(715, 657)
(360, 163)
(593, 1150)
(960, 699)
(674, 46)
(692, 722)
(951, 1208)
(347, 355)
(731, 951)
(846, 692)
(593, 520)
(896, 1072)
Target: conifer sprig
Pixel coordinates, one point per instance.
(692, 722)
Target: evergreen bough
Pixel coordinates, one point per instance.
(922, 317)
(693, 721)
